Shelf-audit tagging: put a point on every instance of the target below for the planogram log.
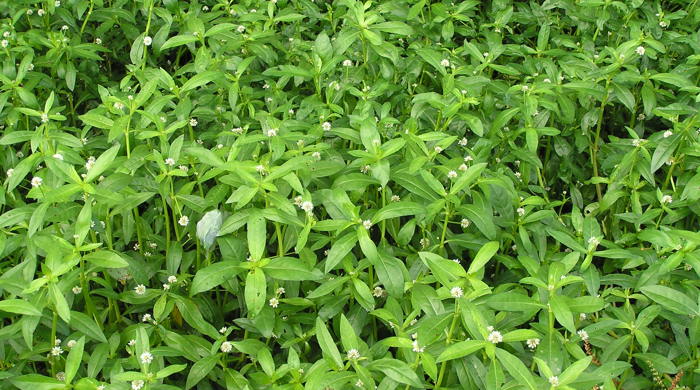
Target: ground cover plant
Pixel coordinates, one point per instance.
(298, 194)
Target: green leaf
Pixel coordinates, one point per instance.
(485, 254)
(562, 313)
(325, 341)
(516, 368)
(446, 271)
(255, 291)
(397, 370)
(257, 236)
(574, 371)
(215, 274)
(59, 302)
(468, 177)
(671, 299)
(102, 163)
(397, 209)
(19, 306)
(106, 259)
(289, 268)
(201, 369)
(96, 120)
(74, 359)
(36, 382)
(87, 326)
(179, 40)
(460, 349)
(340, 248)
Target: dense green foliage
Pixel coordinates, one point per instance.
(300, 194)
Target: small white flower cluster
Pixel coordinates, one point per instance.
(495, 337)
(533, 343)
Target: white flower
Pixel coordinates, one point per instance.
(359, 383)
(193, 122)
(56, 351)
(274, 302)
(468, 158)
(637, 142)
(237, 130)
(445, 62)
(44, 117)
(90, 162)
(451, 174)
(533, 343)
(395, 198)
(4, 43)
(272, 132)
(280, 291)
(58, 156)
(71, 343)
(64, 28)
(347, 63)
(57, 3)
(10, 172)
(353, 354)
(456, 292)
(554, 380)
(378, 292)
(100, 387)
(298, 200)
(640, 50)
(367, 224)
(495, 337)
(61, 376)
(226, 347)
(668, 133)
(183, 221)
(137, 384)
(266, 86)
(77, 290)
(463, 141)
(662, 23)
(166, 286)
(525, 88)
(326, 126)
(582, 316)
(593, 241)
(98, 41)
(241, 29)
(146, 318)
(172, 279)
(57, 342)
(465, 223)
(438, 149)
(260, 169)
(183, 168)
(36, 181)
(458, 261)
(316, 155)
(169, 161)
(666, 199)
(41, 12)
(147, 40)
(140, 289)
(223, 330)
(146, 357)
(131, 342)
(547, 80)
(521, 211)
(307, 206)
(365, 168)
(582, 334)
(30, 11)
(417, 348)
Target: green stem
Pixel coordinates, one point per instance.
(87, 17)
(443, 366)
